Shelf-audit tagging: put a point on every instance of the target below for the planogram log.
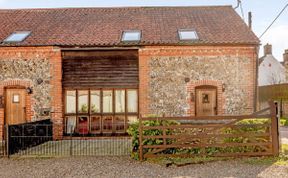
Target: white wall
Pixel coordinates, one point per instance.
(271, 71)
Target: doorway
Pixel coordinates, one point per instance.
(15, 106)
(206, 101)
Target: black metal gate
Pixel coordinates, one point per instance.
(23, 136)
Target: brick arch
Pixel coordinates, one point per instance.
(28, 99)
(191, 90)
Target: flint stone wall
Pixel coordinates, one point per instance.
(167, 87)
(30, 70)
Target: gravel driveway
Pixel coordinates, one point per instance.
(109, 167)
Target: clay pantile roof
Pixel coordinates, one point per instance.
(104, 26)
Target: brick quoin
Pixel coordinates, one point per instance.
(54, 56)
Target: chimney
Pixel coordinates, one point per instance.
(285, 57)
(267, 49)
(250, 20)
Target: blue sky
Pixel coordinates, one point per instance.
(264, 11)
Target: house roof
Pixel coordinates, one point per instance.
(104, 26)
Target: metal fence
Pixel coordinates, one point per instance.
(36, 139)
(80, 147)
(2, 141)
(25, 136)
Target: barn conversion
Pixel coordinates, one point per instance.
(94, 70)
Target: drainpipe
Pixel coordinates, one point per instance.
(256, 91)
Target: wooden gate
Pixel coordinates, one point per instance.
(228, 136)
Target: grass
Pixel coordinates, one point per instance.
(284, 121)
(282, 159)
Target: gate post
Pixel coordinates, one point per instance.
(7, 152)
(274, 129)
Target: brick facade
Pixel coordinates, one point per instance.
(148, 56)
(30, 59)
(244, 58)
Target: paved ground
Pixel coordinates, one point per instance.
(109, 167)
(284, 135)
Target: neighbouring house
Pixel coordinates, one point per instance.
(95, 70)
(273, 84)
(271, 71)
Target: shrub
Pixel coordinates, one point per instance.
(133, 131)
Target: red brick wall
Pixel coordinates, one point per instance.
(54, 56)
(145, 55)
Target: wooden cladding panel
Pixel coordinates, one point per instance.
(101, 69)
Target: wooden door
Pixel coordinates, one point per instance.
(15, 106)
(206, 104)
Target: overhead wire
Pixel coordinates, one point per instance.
(274, 20)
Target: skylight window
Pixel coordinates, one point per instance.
(18, 36)
(187, 35)
(131, 36)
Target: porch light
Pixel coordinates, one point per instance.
(29, 90)
(223, 87)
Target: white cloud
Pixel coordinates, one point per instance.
(278, 37)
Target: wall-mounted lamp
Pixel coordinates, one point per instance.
(192, 97)
(223, 87)
(39, 81)
(29, 90)
(187, 79)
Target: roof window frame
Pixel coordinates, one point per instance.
(187, 30)
(131, 31)
(8, 38)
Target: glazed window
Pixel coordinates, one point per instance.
(16, 98)
(133, 35)
(95, 101)
(70, 124)
(132, 101)
(119, 101)
(107, 101)
(187, 35)
(205, 98)
(100, 111)
(83, 101)
(71, 102)
(18, 36)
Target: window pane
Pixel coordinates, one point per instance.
(107, 124)
(95, 101)
(119, 124)
(17, 36)
(95, 122)
(132, 119)
(82, 125)
(131, 36)
(107, 101)
(83, 101)
(70, 124)
(120, 101)
(71, 102)
(132, 101)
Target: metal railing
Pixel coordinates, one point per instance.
(36, 139)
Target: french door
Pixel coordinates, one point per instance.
(100, 111)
